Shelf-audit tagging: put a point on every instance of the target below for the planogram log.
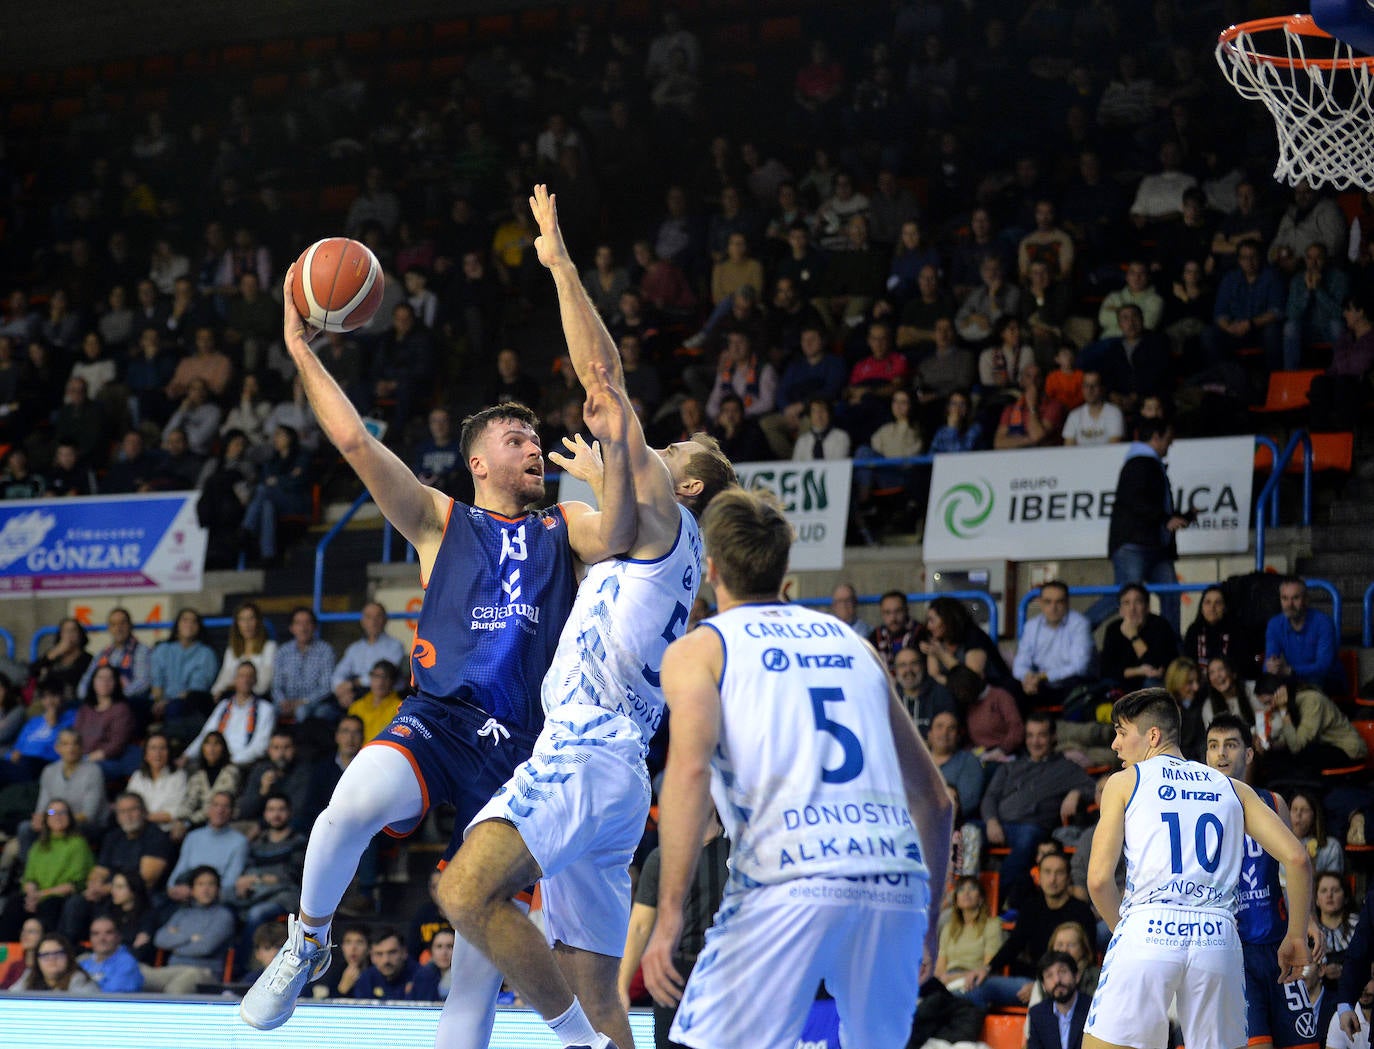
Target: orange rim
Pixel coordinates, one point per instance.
(1297, 25)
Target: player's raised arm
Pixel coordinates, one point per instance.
(1265, 825)
(691, 675)
(416, 510)
(598, 534)
(1108, 840)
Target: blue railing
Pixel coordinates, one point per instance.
(1367, 637)
(1269, 494)
(1183, 588)
(8, 638)
(99, 628)
(980, 596)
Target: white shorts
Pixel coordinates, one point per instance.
(863, 937)
(1158, 953)
(580, 804)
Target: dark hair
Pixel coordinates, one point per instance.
(475, 425)
(46, 834)
(901, 594)
(240, 645)
(954, 615)
(1148, 429)
(731, 398)
(1045, 718)
(1051, 958)
(1318, 817)
(190, 877)
(1057, 584)
(269, 935)
(138, 888)
(361, 930)
(64, 979)
(117, 696)
(1003, 323)
(277, 795)
(386, 932)
(224, 758)
(1150, 708)
(1138, 587)
(1228, 722)
(307, 610)
(965, 686)
(749, 539)
(387, 667)
(143, 765)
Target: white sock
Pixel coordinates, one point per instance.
(319, 933)
(573, 1027)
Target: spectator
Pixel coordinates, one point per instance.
(296, 414)
(1138, 292)
(243, 717)
(1057, 1022)
(1039, 915)
(427, 921)
(1001, 365)
(1216, 634)
(1183, 681)
(1308, 823)
(80, 421)
(77, 780)
(948, 369)
(215, 845)
(199, 418)
(393, 975)
(989, 714)
(1140, 538)
(1248, 222)
(1302, 641)
(18, 482)
(132, 913)
(378, 705)
(1138, 645)
(206, 363)
(953, 639)
(1034, 419)
(1096, 421)
(67, 476)
(13, 712)
(1304, 723)
(1310, 219)
(213, 774)
(402, 370)
(134, 468)
(268, 939)
(183, 672)
(133, 846)
(362, 655)
(1228, 694)
(197, 936)
(814, 373)
(986, 304)
(29, 937)
(280, 772)
(957, 764)
(93, 365)
(1055, 653)
(55, 970)
(605, 281)
(109, 963)
(1065, 381)
(1316, 300)
(873, 380)
(741, 372)
(898, 438)
(642, 381)
(512, 383)
(161, 787)
(970, 939)
(283, 491)
(341, 977)
(438, 461)
(129, 656)
(1136, 364)
(248, 641)
(915, 281)
(895, 630)
(441, 962)
(1159, 197)
(36, 746)
(63, 666)
(1336, 918)
(270, 885)
(922, 697)
(844, 606)
(301, 671)
(56, 867)
(249, 416)
(740, 437)
(822, 439)
(960, 433)
(1046, 243)
(107, 725)
(376, 203)
(227, 484)
(1338, 394)
(1249, 309)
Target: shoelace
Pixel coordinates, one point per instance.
(495, 731)
(284, 973)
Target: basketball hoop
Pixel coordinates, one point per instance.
(1318, 90)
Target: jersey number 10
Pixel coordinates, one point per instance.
(1207, 859)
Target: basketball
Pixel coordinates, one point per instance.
(337, 285)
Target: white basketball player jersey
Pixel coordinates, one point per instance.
(626, 614)
(806, 777)
(1185, 837)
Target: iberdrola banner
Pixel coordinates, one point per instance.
(1057, 502)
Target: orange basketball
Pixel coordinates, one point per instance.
(337, 285)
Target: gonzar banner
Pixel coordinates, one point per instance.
(1057, 502)
(814, 495)
(101, 544)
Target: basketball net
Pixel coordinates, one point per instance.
(1318, 90)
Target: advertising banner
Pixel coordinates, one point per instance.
(814, 495)
(99, 544)
(1057, 502)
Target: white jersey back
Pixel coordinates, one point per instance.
(806, 777)
(1185, 837)
(626, 614)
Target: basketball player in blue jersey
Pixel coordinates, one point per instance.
(574, 813)
(499, 583)
(1277, 1014)
(839, 822)
(1183, 827)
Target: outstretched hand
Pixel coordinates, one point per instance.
(549, 244)
(585, 462)
(294, 328)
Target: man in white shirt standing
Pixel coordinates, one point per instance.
(1096, 421)
(1056, 651)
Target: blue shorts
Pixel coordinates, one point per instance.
(1277, 1012)
(460, 756)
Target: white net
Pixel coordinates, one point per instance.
(1317, 89)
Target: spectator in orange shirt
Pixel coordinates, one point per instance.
(1034, 419)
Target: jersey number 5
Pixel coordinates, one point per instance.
(1207, 860)
(671, 633)
(853, 762)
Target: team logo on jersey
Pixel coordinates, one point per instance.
(422, 652)
(1167, 793)
(1305, 1022)
(689, 577)
(401, 730)
(775, 659)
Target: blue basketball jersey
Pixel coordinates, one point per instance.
(497, 598)
(1261, 913)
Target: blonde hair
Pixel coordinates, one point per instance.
(1176, 676)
